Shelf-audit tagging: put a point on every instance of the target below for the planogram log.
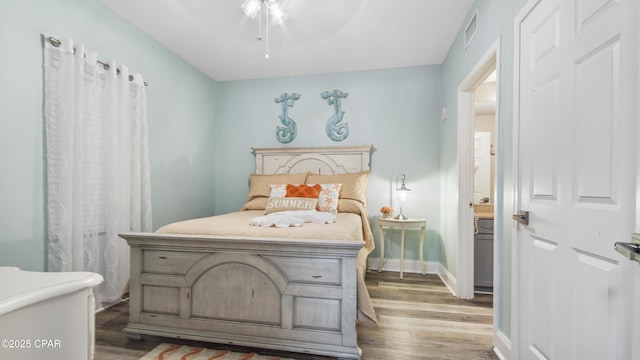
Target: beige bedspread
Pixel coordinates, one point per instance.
(348, 226)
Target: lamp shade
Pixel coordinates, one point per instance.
(403, 194)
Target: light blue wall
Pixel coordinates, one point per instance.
(396, 110)
(495, 21)
(180, 102)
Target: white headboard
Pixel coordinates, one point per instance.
(318, 160)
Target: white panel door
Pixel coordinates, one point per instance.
(577, 76)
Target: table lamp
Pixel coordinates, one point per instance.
(403, 194)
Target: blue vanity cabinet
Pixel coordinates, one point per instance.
(483, 256)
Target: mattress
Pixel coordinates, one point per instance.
(348, 226)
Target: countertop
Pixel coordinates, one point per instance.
(483, 211)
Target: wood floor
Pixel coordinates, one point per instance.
(417, 319)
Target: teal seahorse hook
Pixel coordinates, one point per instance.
(286, 134)
(335, 131)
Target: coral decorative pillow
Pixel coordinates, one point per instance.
(303, 191)
(328, 197)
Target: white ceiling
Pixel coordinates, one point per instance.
(319, 36)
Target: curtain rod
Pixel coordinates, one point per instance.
(56, 43)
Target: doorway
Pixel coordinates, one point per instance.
(484, 140)
(485, 67)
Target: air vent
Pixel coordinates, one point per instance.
(471, 29)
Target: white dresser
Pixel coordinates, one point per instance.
(46, 315)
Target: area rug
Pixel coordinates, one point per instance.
(167, 351)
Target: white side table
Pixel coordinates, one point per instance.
(411, 223)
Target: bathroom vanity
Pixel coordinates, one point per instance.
(483, 251)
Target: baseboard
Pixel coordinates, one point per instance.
(106, 306)
(413, 266)
(410, 266)
(501, 345)
(448, 279)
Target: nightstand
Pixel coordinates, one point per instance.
(411, 223)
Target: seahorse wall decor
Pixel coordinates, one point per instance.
(335, 131)
(285, 134)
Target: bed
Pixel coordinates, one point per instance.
(299, 288)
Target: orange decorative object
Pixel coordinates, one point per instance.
(386, 209)
(305, 191)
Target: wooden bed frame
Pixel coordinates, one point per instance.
(284, 294)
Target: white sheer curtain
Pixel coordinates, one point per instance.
(97, 163)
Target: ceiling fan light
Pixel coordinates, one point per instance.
(273, 15)
(251, 8)
(277, 16)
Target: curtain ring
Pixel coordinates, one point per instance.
(55, 42)
(130, 77)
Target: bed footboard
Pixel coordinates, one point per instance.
(284, 294)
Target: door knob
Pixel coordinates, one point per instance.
(630, 250)
(522, 217)
(632, 247)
